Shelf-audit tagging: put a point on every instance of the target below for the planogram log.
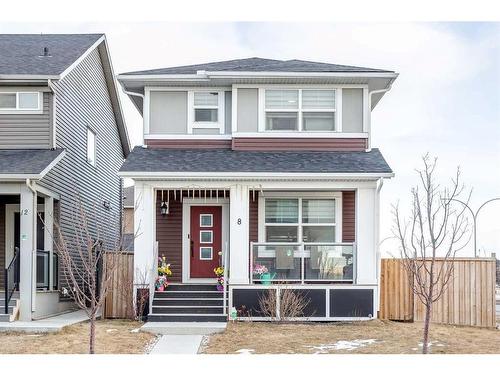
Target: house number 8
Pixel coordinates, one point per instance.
(239, 221)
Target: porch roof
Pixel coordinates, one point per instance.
(150, 160)
(20, 164)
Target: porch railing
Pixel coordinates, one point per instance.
(11, 278)
(153, 276)
(43, 270)
(302, 262)
(224, 290)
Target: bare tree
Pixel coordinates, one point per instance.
(86, 268)
(291, 303)
(434, 229)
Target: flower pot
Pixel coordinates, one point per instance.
(265, 278)
(161, 288)
(220, 287)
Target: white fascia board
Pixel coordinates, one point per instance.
(255, 175)
(82, 56)
(52, 164)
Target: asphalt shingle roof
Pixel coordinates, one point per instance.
(256, 64)
(26, 161)
(226, 160)
(23, 53)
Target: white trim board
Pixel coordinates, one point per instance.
(186, 226)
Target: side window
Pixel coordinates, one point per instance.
(91, 146)
(20, 101)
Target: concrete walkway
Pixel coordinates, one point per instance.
(52, 324)
(177, 344)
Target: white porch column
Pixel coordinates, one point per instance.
(366, 226)
(239, 252)
(27, 278)
(49, 236)
(144, 212)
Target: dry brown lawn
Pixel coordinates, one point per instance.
(113, 337)
(390, 338)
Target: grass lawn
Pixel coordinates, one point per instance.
(113, 337)
(372, 337)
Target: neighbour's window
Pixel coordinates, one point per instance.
(300, 110)
(300, 220)
(91, 147)
(206, 106)
(19, 101)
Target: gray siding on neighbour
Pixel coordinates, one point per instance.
(228, 111)
(83, 101)
(22, 131)
(248, 110)
(352, 110)
(168, 112)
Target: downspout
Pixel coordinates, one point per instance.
(54, 109)
(132, 93)
(30, 186)
(370, 94)
(380, 183)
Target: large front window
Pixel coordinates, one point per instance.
(300, 220)
(300, 110)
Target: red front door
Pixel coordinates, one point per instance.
(205, 240)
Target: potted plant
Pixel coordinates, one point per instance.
(164, 273)
(219, 272)
(263, 274)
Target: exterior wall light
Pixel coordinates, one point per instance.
(164, 208)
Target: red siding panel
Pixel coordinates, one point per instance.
(348, 216)
(295, 144)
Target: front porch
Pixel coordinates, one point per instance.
(316, 236)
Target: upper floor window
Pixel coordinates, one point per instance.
(91, 149)
(206, 112)
(19, 101)
(300, 110)
(206, 106)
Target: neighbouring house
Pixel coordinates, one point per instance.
(128, 218)
(62, 133)
(265, 167)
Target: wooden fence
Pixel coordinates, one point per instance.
(120, 295)
(469, 298)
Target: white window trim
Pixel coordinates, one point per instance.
(300, 196)
(211, 252)
(89, 130)
(205, 124)
(299, 110)
(211, 221)
(17, 109)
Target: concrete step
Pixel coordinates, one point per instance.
(188, 302)
(188, 294)
(11, 309)
(184, 328)
(4, 317)
(187, 310)
(187, 318)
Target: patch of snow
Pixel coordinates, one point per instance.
(111, 330)
(135, 330)
(245, 351)
(431, 343)
(341, 345)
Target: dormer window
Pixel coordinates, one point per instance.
(309, 110)
(206, 112)
(20, 101)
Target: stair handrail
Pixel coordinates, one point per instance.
(154, 275)
(12, 266)
(224, 290)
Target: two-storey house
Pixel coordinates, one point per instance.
(265, 167)
(62, 135)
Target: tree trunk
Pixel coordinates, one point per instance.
(427, 322)
(92, 335)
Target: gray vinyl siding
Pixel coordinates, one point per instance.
(168, 112)
(27, 131)
(248, 110)
(228, 111)
(352, 110)
(83, 101)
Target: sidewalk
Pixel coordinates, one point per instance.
(52, 324)
(177, 344)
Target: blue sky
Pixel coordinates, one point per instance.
(446, 100)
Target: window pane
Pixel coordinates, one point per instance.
(28, 100)
(205, 115)
(206, 220)
(318, 211)
(206, 99)
(282, 210)
(205, 253)
(90, 147)
(281, 234)
(318, 234)
(206, 236)
(318, 121)
(317, 99)
(8, 101)
(282, 99)
(281, 121)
